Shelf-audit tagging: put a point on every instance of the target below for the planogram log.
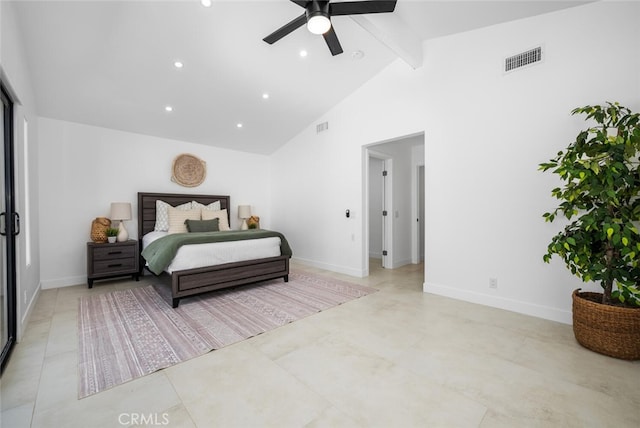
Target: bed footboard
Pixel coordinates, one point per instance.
(201, 280)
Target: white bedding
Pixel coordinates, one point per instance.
(201, 255)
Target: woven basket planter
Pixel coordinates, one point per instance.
(608, 330)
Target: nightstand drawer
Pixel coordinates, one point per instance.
(114, 266)
(111, 253)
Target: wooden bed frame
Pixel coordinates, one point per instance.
(201, 280)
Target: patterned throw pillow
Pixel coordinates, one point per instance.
(162, 214)
(213, 206)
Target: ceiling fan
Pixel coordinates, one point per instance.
(318, 15)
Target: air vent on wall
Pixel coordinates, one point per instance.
(529, 57)
(322, 127)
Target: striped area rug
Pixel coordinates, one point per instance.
(126, 334)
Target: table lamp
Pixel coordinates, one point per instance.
(244, 212)
(121, 211)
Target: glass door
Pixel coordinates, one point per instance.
(8, 229)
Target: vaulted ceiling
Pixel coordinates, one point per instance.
(111, 63)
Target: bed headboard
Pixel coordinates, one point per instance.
(147, 206)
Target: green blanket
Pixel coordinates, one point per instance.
(161, 252)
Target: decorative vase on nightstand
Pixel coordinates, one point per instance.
(99, 228)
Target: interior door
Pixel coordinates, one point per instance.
(376, 166)
(421, 237)
(9, 227)
(385, 215)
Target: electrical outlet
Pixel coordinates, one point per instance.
(493, 282)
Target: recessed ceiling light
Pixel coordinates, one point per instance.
(265, 96)
(206, 3)
(178, 64)
(238, 125)
(357, 54)
(168, 108)
(303, 53)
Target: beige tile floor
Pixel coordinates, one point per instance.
(396, 358)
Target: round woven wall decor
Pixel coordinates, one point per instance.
(188, 170)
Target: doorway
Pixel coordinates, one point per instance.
(379, 197)
(8, 229)
(398, 218)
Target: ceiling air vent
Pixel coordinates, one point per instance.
(322, 127)
(529, 57)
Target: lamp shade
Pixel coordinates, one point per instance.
(120, 211)
(244, 211)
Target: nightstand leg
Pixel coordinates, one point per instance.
(90, 281)
(175, 303)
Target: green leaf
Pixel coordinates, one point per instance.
(610, 232)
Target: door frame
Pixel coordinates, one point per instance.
(10, 206)
(387, 224)
(417, 251)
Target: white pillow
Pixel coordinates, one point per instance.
(221, 215)
(177, 218)
(162, 214)
(213, 206)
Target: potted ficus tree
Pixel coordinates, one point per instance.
(600, 200)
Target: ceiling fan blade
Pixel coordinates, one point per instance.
(332, 41)
(301, 3)
(286, 29)
(361, 7)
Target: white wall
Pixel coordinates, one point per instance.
(485, 134)
(485, 196)
(86, 168)
(15, 74)
(315, 177)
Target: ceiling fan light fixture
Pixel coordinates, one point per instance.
(318, 23)
(318, 14)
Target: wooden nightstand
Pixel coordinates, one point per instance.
(112, 260)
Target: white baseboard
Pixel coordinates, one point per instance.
(63, 282)
(333, 268)
(27, 313)
(399, 263)
(545, 312)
